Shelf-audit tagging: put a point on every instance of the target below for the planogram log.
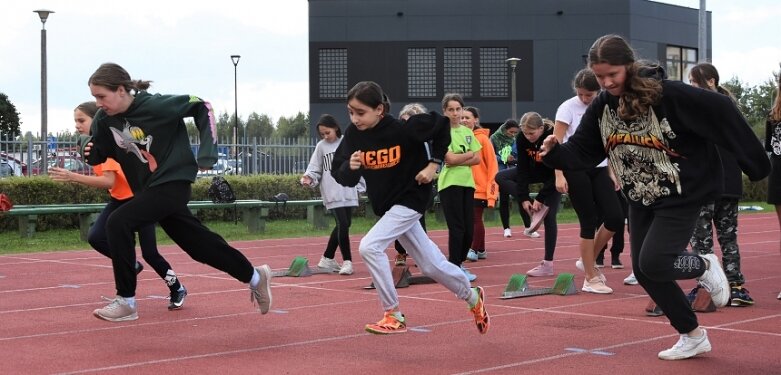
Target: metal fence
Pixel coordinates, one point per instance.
(260, 156)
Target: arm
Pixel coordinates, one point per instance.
(106, 181)
(467, 158)
(559, 130)
(584, 149)
(701, 109)
(343, 168)
(315, 168)
(431, 127)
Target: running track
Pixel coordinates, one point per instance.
(316, 323)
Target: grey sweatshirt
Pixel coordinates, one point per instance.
(319, 170)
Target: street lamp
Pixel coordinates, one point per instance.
(44, 14)
(513, 61)
(235, 59)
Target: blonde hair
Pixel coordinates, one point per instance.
(775, 112)
(533, 121)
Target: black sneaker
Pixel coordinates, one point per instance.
(615, 263)
(600, 261)
(177, 299)
(739, 297)
(139, 267)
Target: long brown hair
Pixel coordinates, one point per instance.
(640, 92)
(702, 72)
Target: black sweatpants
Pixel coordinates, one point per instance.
(458, 206)
(167, 204)
(98, 239)
(659, 258)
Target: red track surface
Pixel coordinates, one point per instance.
(316, 323)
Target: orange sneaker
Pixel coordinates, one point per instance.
(389, 324)
(481, 316)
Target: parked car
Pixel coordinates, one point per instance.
(9, 168)
(69, 162)
(14, 162)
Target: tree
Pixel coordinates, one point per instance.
(9, 117)
(293, 127)
(259, 126)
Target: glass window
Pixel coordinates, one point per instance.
(458, 71)
(493, 72)
(422, 72)
(333, 73)
(679, 61)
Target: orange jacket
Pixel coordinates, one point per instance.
(484, 173)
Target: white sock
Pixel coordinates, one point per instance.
(472, 300)
(398, 315)
(131, 301)
(255, 279)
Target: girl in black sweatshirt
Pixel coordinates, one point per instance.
(660, 139)
(398, 173)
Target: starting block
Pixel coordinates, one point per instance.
(300, 268)
(518, 287)
(403, 278)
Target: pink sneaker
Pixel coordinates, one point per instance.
(544, 269)
(537, 218)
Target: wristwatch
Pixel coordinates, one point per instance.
(439, 162)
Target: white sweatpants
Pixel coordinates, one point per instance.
(402, 223)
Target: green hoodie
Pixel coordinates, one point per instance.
(502, 144)
(150, 140)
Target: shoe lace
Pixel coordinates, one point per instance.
(113, 303)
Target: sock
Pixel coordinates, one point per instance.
(399, 316)
(131, 301)
(472, 300)
(253, 283)
(170, 278)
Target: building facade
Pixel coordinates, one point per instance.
(419, 50)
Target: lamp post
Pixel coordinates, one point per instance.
(513, 61)
(235, 59)
(44, 14)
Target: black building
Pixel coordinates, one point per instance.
(418, 50)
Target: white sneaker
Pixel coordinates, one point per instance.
(329, 264)
(529, 233)
(631, 279)
(596, 285)
(471, 256)
(347, 268)
(715, 281)
(119, 310)
(508, 233)
(687, 347)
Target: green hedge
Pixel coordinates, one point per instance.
(42, 190)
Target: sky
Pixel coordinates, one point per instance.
(184, 47)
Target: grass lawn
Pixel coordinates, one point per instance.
(68, 239)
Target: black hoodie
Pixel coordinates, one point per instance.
(394, 153)
(666, 157)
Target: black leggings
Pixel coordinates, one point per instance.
(98, 239)
(659, 258)
(504, 210)
(592, 194)
(340, 236)
(167, 204)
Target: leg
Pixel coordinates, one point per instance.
(726, 221)
(657, 263)
(478, 241)
(452, 200)
(389, 227)
(702, 237)
(97, 236)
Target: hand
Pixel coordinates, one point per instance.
(306, 181)
(561, 182)
(427, 174)
(527, 206)
(548, 144)
(86, 150)
(536, 206)
(356, 160)
(59, 174)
